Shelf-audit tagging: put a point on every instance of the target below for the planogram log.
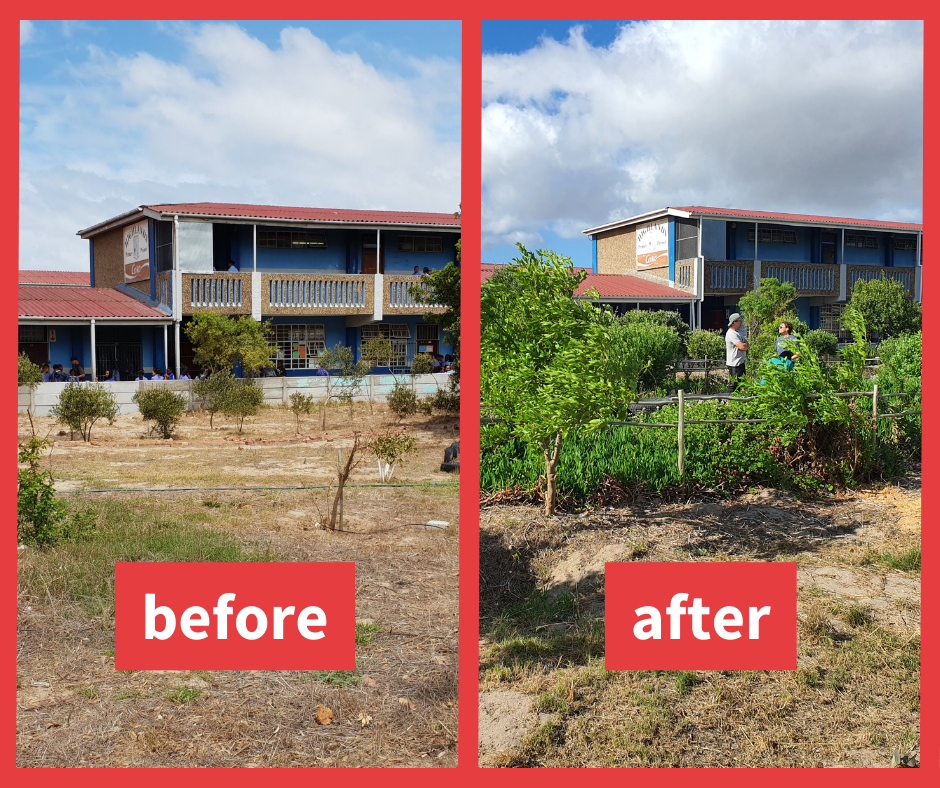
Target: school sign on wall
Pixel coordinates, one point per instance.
(136, 252)
(652, 245)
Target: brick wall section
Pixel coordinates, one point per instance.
(616, 250)
(109, 261)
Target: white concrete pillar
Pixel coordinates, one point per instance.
(176, 346)
(166, 350)
(94, 363)
(756, 274)
(843, 283)
(254, 247)
(256, 295)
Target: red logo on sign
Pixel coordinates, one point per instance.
(239, 616)
(698, 616)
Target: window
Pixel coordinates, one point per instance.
(426, 332)
(299, 345)
(163, 246)
(905, 244)
(290, 239)
(420, 243)
(830, 316)
(32, 334)
(396, 334)
(773, 236)
(861, 241)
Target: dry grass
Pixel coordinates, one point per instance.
(406, 601)
(853, 700)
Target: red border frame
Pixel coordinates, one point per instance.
(471, 15)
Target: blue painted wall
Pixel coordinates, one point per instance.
(332, 259)
(803, 310)
(714, 240)
(91, 261)
(800, 252)
(594, 254)
(671, 235)
(404, 262)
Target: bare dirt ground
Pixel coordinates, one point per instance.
(546, 699)
(398, 708)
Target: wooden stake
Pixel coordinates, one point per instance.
(681, 433)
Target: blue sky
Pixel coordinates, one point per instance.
(327, 114)
(589, 122)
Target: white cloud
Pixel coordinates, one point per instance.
(233, 121)
(27, 31)
(792, 116)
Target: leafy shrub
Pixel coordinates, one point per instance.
(402, 401)
(422, 364)
(660, 348)
(81, 405)
(661, 317)
(705, 344)
(445, 401)
(821, 343)
(301, 405)
(391, 449)
(902, 356)
(886, 306)
(211, 392)
(242, 399)
(41, 519)
(162, 406)
(28, 373)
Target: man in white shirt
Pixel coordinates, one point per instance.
(735, 351)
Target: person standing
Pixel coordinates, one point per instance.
(735, 351)
(77, 371)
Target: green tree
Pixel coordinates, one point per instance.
(161, 406)
(211, 392)
(82, 405)
(549, 363)
(705, 344)
(301, 405)
(887, 307)
(242, 399)
(28, 373)
(442, 288)
(771, 302)
(221, 342)
(346, 374)
(661, 348)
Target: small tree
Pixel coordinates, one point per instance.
(660, 347)
(422, 364)
(347, 374)
(221, 342)
(551, 364)
(822, 343)
(392, 448)
(241, 400)
(161, 406)
(211, 392)
(887, 307)
(402, 401)
(705, 344)
(375, 353)
(301, 405)
(82, 405)
(442, 288)
(342, 476)
(771, 302)
(28, 373)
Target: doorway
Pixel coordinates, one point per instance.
(369, 256)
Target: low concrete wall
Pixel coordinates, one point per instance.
(277, 391)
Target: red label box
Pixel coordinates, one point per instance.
(700, 616)
(235, 616)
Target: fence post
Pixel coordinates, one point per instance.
(874, 414)
(681, 433)
(284, 390)
(339, 477)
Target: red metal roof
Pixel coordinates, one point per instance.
(72, 301)
(800, 217)
(55, 278)
(627, 286)
(275, 212)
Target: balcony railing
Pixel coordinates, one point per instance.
(732, 277)
(398, 299)
(905, 276)
(218, 292)
(317, 294)
(807, 278)
(685, 275)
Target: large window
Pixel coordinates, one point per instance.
(299, 345)
(420, 243)
(905, 244)
(396, 334)
(32, 334)
(163, 246)
(772, 235)
(830, 319)
(290, 239)
(861, 241)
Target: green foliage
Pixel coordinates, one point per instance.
(821, 343)
(447, 402)
(402, 401)
(550, 363)
(442, 288)
(28, 373)
(301, 405)
(705, 344)
(392, 448)
(347, 374)
(375, 353)
(659, 346)
(162, 406)
(660, 317)
(771, 302)
(222, 341)
(212, 391)
(41, 519)
(886, 306)
(902, 358)
(422, 364)
(82, 405)
(242, 399)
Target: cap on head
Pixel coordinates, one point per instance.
(735, 316)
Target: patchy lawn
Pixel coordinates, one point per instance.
(546, 699)
(398, 708)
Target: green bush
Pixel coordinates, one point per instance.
(902, 356)
(392, 448)
(422, 364)
(659, 346)
(402, 401)
(42, 519)
(28, 373)
(211, 392)
(661, 317)
(705, 344)
(301, 405)
(887, 307)
(242, 399)
(161, 406)
(445, 401)
(821, 343)
(81, 405)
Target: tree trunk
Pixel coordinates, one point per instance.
(551, 453)
(342, 477)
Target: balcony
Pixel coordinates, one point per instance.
(317, 294)
(809, 279)
(734, 277)
(905, 276)
(397, 298)
(227, 294)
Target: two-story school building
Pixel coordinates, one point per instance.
(715, 255)
(320, 276)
